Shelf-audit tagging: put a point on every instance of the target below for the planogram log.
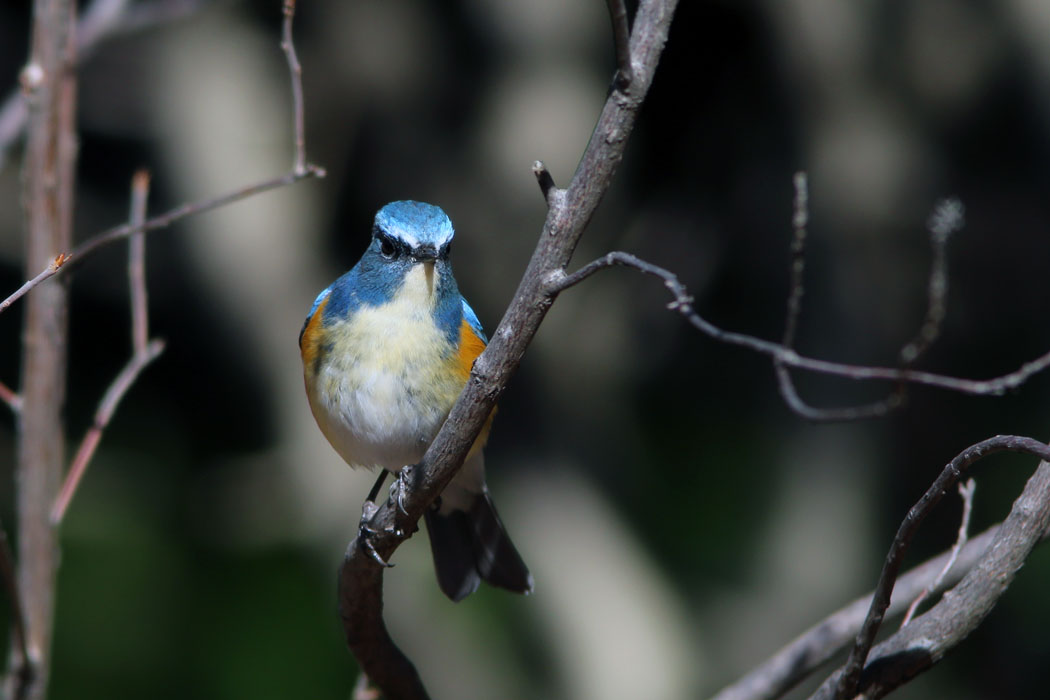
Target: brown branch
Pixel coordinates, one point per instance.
(137, 265)
(299, 164)
(822, 641)
(10, 397)
(106, 408)
(948, 478)
(361, 577)
(924, 642)
(50, 271)
(966, 493)
(50, 156)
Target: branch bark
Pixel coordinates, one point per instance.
(361, 577)
(50, 81)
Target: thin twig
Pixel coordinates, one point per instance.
(11, 398)
(949, 477)
(946, 219)
(621, 40)
(799, 222)
(785, 384)
(51, 270)
(544, 178)
(682, 303)
(106, 407)
(966, 493)
(137, 264)
(299, 166)
(161, 221)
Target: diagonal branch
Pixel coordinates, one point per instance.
(360, 577)
(106, 408)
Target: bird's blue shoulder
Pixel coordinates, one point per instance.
(472, 320)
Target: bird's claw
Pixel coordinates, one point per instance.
(366, 535)
(399, 487)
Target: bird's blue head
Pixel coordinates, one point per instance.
(408, 258)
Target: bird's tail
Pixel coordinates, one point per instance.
(470, 545)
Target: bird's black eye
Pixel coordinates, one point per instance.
(386, 248)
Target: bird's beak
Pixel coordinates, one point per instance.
(425, 253)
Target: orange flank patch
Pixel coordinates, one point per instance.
(470, 346)
(310, 340)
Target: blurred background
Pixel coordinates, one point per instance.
(680, 522)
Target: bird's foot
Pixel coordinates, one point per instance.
(399, 488)
(366, 534)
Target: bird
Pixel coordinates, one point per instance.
(386, 350)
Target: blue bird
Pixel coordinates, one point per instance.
(386, 350)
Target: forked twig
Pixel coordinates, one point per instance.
(966, 493)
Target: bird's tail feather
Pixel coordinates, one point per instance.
(472, 545)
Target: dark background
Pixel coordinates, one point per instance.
(681, 523)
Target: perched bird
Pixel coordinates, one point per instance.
(387, 349)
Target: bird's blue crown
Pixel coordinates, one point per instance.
(415, 224)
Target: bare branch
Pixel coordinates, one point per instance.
(621, 38)
(966, 493)
(360, 578)
(160, 221)
(106, 407)
(947, 218)
(137, 264)
(545, 180)
(682, 303)
(785, 385)
(822, 641)
(799, 222)
(949, 477)
(924, 642)
(49, 79)
(299, 165)
(11, 398)
(50, 271)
